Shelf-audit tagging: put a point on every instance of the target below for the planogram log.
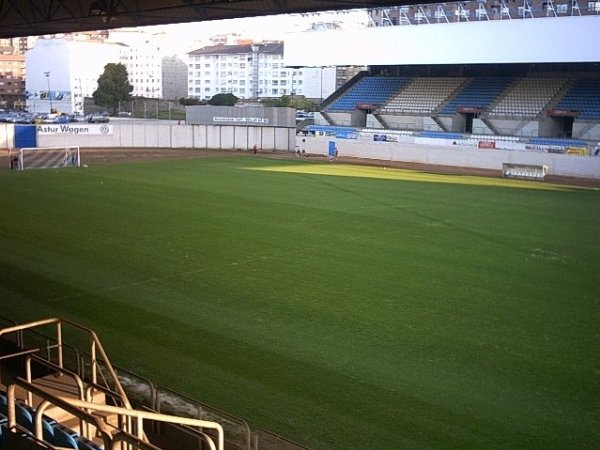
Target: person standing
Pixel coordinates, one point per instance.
(14, 160)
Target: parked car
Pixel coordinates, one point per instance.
(98, 118)
(56, 118)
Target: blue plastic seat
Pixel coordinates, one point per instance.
(3, 405)
(63, 438)
(24, 417)
(86, 444)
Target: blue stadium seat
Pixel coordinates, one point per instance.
(3, 404)
(583, 97)
(558, 142)
(86, 444)
(64, 437)
(24, 417)
(375, 90)
(480, 92)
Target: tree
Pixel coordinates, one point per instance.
(190, 101)
(298, 102)
(223, 100)
(113, 87)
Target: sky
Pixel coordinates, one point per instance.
(191, 36)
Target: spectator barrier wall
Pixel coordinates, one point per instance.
(447, 152)
(132, 133)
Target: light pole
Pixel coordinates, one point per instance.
(49, 93)
(321, 84)
(255, 68)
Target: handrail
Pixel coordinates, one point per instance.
(51, 365)
(47, 400)
(95, 345)
(62, 371)
(37, 323)
(229, 417)
(194, 433)
(21, 353)
(141, 415)
(130, 439)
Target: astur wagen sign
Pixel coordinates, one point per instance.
(68, 128)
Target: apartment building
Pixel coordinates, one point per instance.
(253, 70)
(12, 81)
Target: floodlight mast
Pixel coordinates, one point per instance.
(49, 93)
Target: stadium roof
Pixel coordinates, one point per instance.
(39, 17)
(221, 49)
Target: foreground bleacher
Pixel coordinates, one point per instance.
(56, 395)
(45, 404)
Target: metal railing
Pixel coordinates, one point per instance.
(89, 368)
(96, 348)
(110, 436)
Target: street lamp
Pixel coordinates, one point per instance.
(255, 68)
(49, 93)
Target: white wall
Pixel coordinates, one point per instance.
(457, 156)
(7, 135)
(131, 134)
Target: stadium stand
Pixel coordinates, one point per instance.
(371, 90)
(517, 102)
(478, 93)
(59, 408)
(528, 97)
(584, 98)
(423, 95)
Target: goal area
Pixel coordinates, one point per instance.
(47, 157)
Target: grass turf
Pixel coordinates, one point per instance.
(340, 306)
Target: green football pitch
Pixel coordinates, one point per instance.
(344, 307)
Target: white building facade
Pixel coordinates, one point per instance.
(154, 71)
(253, 71)
(60, 73)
